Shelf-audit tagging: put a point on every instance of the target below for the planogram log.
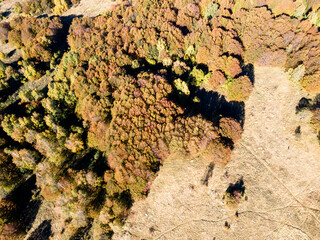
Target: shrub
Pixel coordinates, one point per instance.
(315, 120)
(37, 7)
(60, 6)
(198, 77)
(238, 89)
(212, 10)
(230, 128)
(30, 71)
(14, 38)
(181, 86)
(74, 143)
(17, 8)
(311, 83)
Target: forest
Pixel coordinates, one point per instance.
(93, 106)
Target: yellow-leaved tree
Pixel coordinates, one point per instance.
(60, 6)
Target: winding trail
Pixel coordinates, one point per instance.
(281, 173)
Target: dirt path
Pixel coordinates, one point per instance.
(281, 174)
(90, 8)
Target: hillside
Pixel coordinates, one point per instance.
(147, 119)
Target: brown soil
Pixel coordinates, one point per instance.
(90, 8)
(280, 170)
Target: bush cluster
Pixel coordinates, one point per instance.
(41, 7)
(292, 43)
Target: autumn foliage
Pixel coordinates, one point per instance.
(292, 43)
(37, 37)
(40, 7)
(124, 96)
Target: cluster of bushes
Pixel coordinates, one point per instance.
(298, 9)
(41, 7)
(40, 40)
(293, 43)
(37, 37)
(34, 7)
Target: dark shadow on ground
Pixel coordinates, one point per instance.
(43, 232)
(212, 106)
(29, 214)
(66, 21)
(10, 54)
(6, 14)
(82, 233)
(23, 193)
(249, 71)
(308, 104)
(27, 209)
(237, 187)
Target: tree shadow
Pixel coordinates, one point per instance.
(208, 174)
(43, 232)
(27, 209)
(248, 70)
(11, 53)
(212, 106)
(29, 214)
(308, 104)
(237, 187)
(6, 14)
(66, 21)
